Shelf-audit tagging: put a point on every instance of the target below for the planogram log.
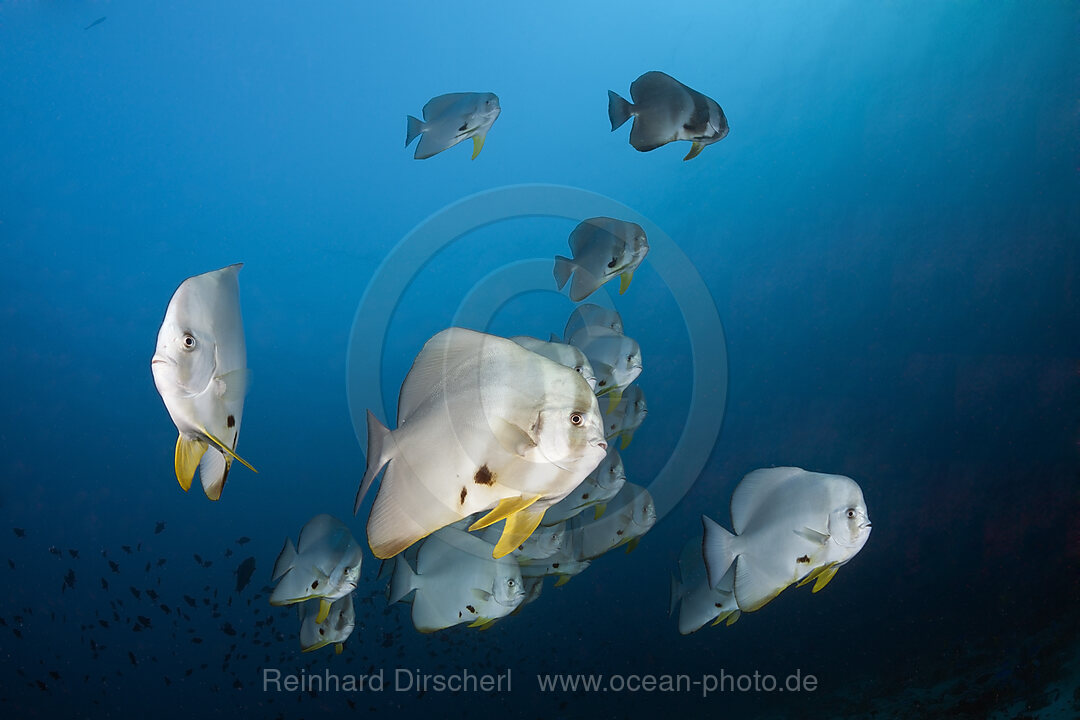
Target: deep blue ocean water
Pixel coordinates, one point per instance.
(890, 236)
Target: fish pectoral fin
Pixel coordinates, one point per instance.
(324, 610)
(229, 451)
(624, 281)
(477, 145)
(513, 438)
(519, 527)
(234, 385)
(482, 595)
(695, 150)
(823, 579)
(505, 508)
(818, 538)
(188, 454)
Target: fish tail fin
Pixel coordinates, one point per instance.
(564, 267)
(619, 110)
(676, 595)
(376, 438)
(403, 581)
(717, 550)
(213, 471)
(286, 559)
(414, 126)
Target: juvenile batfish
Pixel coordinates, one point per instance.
(626, 417)
(449, 119)
(325, 564)
(631, 514)
(200, 370)
(697, 602)
(483, 424)
(603, 248)
(665, 110)
(335, 628)
(457, 581)
(561, 353)
(790, 525)
(590, 315)
(615, 358)
(595, 491)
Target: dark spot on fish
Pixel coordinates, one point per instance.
(601, 383)
(803, 559)
(585, 496)
(718, 604)
(618, 532)
(230, 421)
(471, 609)
(483, 476)
(555, 565)
(314, 584)
(464, 492)
(612, 263)
(322, 631)
(463, 128)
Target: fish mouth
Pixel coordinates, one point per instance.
(158, 360)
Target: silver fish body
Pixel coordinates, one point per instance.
(665, 110)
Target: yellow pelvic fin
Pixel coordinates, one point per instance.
(519, 527)
(482, 622)
(563, 579)
(735, 615)
(826, 575)
(324, 610)
(188, 455)
(720, 618)
(613, 398)
(814, 575)
(633, 543)
(338, 647)
(477, 145)
(624, 280)
(695, 149)
(600, 509)
(505, 508)
(626, 438)
(229, 451)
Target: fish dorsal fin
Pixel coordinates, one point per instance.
(444, 353)
(586, 232)
(437, 106)
(653, 85)
(754, 491)
(317, 530)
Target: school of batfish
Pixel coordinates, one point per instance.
(502, 469)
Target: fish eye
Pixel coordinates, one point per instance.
(851, 513)
(189, 341)
(576, 419)
(510, 583)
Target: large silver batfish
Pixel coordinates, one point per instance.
(665, 110)
(790, 526)
(449, 119)
(200, 370)
(483, 424)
